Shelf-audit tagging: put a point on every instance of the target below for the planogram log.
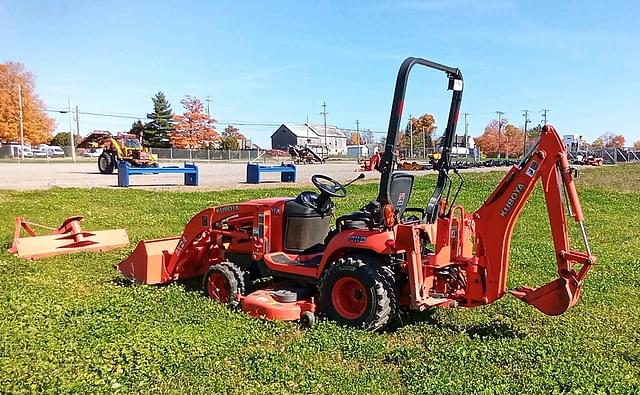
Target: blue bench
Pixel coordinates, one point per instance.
(287, 172)
(190, 171)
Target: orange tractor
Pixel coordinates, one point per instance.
(278, 258)
(372, 163)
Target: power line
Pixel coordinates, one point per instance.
(466, 133)
(324, 115)
(544, 115)
(359, 141)
(526, 121)
(208, 100)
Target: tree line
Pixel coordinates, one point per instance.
(507, 140)
(195, 128)
(192, 129)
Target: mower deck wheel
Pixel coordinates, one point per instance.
(307, 319)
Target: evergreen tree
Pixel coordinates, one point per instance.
(156, 133)
(137, 128)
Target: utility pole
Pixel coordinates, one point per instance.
(208, 100)
(77, 122)
(424, 142)
(410, 137)
(466, 135)
(544, 115)
(73, 145)
(307, 125)
(21, 123)
(526, 121)
(500, 114)
(358, 131)
(324, 115)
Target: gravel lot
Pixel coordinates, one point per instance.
(213, 176)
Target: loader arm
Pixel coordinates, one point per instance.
(495, 220)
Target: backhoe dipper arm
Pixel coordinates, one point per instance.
(495, 220)
(455, 84)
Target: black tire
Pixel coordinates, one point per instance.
(307, 319)
(106, 163)
(374, 293)
(223, 282)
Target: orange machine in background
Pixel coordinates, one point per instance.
(68, 238)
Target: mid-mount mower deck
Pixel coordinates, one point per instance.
(277, 258)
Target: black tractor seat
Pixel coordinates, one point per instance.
(354, 220)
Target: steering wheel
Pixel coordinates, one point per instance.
(329, 186)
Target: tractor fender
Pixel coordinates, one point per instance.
(371, 241)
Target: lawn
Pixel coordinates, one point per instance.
(71, 324)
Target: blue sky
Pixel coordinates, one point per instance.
(273, 62)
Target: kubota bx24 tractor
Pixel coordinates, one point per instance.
(279, 258)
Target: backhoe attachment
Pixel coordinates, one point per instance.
(546, 161)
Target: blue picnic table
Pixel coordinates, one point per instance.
(190, 171)
(287, 172)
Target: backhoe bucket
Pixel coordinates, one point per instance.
(552, 299)
(147, 263)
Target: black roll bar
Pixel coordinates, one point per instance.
(388, 157)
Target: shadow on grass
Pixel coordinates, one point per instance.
(490, 330)
(483, 331)
(190, 285)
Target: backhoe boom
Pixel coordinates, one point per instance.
(495, 220)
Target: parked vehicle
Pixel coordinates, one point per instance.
(18, 151)
(38, 153)
(279, 258)
(588, 160)
(52, 151)
(94, 153)
(121, 147)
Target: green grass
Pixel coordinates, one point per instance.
(69, 324)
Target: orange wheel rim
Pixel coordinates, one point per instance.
(218, 287)
(349, 298)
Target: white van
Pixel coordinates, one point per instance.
(52, 151)
(17, 151)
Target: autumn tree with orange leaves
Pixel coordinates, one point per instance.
(613, 140)
(37, 126)
(508, 144)
(421, 129)
(356, 139)
(232, 131)
(194, 128)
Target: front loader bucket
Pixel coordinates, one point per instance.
(147, 263)
(552, 299)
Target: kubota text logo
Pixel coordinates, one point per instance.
(515, 195)
(227, 209)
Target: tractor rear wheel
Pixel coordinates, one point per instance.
(359, 291)
(223, 282)
(106, 163)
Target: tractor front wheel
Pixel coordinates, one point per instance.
(106, 163)
(359, 291)
(223, 282)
